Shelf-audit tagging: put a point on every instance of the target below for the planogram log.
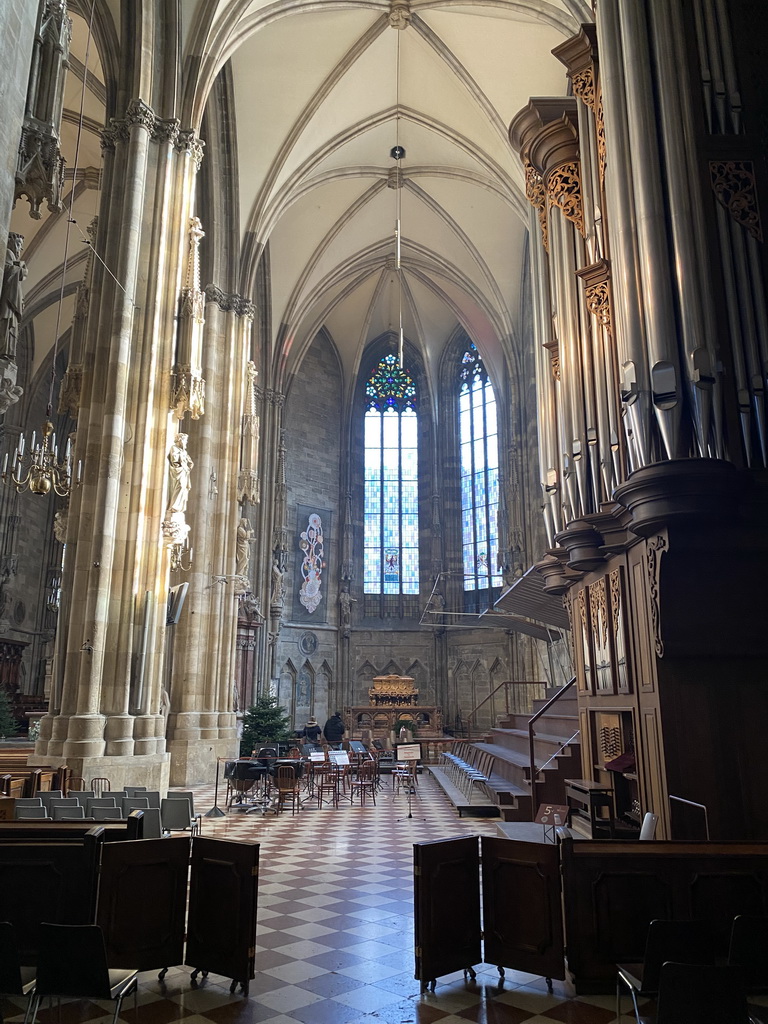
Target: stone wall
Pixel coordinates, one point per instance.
(306, 650)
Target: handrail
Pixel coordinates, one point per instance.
(531, 735)
(506, 683)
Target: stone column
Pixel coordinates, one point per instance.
(202, 723)
(109, 721)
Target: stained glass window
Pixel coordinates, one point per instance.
(391, 544)
(479, 459)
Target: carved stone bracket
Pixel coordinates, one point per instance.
(656, 547)
(229, 303)
(733, 182)
(564, 191)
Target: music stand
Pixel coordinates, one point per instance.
(215, 811)
(411, 754)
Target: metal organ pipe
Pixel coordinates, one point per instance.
(628, 329)
(661, 334)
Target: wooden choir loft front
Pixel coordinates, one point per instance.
(406, 358)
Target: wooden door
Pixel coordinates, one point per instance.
(142, 902)
(522, 909)
(446, 907)
(221, 930)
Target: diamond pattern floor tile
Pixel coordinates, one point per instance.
(335, 931)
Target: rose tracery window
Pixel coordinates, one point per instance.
(391, 546)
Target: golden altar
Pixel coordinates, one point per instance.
(391, 699)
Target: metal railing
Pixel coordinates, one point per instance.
(517, 706)
(532, 735)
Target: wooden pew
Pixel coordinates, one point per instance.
(118, 830)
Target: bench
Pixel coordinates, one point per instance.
(34, 779)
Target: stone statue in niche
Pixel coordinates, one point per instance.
(277, 592)
(181, 474)
(243, 548)
(345, 609)
(12, 296)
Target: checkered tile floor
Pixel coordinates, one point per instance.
(335, 931)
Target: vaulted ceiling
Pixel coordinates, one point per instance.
(323, 90)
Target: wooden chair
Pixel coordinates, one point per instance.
(685, 942)
(701, 994)
(287, 788)
(364, 783)
(72, 962)
(15, 980)
(326, 784)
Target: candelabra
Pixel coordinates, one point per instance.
(39, 469)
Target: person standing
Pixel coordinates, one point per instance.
(334, 730)
(312, 731)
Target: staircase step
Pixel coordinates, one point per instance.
(544, 744)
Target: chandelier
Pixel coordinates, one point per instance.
(40, 470)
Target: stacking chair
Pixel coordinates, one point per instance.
(50, 795)
(152, 827)
(684, 942)
(186, 794)
(701, 994)
(748, 949)
(72, 962)
(133, 803)
(100, 786)
(364, 783)
(97, 802)
(76, 813)
(15, 980)
(62, 801)
(105, 813)
(23, 804)
(175, 817)
(135, 790)
(38, 813)
(82, 795)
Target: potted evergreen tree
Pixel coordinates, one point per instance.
(265, 722)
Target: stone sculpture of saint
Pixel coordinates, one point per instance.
(345, 602)
(243, 547)
(277, 591)
(11, 296)
(181, 473)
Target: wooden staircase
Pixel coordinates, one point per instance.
(503, 755)
(556, 753)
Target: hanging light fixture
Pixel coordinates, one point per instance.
(398, 153)
(39, 468)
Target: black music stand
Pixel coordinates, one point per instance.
(215, 811)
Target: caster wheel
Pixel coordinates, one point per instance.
(469, 974)
(162, 974)
(549, 985)
(244, 988)
(501, 972)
